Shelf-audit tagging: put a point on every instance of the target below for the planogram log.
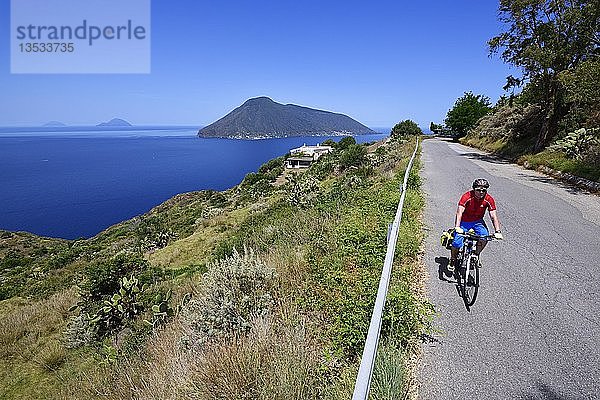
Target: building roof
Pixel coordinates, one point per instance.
(300, 159)
(311, 149)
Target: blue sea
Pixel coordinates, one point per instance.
(75, 182)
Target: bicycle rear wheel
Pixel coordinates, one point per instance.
(471, 281)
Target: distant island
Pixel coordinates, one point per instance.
(262, 117)
(115, 122)
(54, 124)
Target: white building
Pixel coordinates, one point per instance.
(303, 156)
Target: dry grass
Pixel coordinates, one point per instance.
(52, 356)
(274, 361)
(32, 356)
(160, 372)
(25, 324)
(290, 265)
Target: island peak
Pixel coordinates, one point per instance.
(261, 117)
(115, 122)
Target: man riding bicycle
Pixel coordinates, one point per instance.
(469, 215)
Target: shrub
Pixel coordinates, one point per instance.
(154, 232)
(252, 178)
(122, 307)
(217, 199)
(353, 156)
(329, 142)
(79, 332)
(256, 184)
(322, 167)
(303, 189)
(592, 156)
(272, 168)
(161, 310)
(104, 278)
(236, 289)
(574, 144)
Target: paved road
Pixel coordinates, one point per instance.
(534, 332)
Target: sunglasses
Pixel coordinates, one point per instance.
(481, 190)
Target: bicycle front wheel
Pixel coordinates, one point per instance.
(471, 281)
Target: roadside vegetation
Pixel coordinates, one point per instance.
(554, 121)
(263, 291)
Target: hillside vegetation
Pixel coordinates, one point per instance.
(555, 120)
(263, 291)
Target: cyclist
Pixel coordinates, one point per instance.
(469, 215)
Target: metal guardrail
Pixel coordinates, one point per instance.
(365, 372)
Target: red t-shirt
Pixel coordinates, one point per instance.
(474, 208)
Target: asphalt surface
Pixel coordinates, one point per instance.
(534, 331)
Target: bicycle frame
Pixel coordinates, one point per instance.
(468, 267)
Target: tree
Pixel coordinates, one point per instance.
(405, 128)
(329, 142)
(582, 92)
(465, 113)
(544, 38)
(346, 142)
(435, 128)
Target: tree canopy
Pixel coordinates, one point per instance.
(465, 113)
(345, 142)
(405, 128)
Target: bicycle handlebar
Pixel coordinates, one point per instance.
(476, 237)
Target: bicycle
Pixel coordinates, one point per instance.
(467, 267)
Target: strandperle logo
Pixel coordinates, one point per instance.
(85, 31)
(75, 36)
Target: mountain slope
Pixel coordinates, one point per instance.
(115, 122)
(262, 117)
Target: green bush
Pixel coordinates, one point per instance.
(322, 167)
(217, 199)
(14, 271)
(272, 168)
(330, 142)
(353, 156)
(122, 307)
(154, 232)
(252, 178)
(161, 310)
(104, 278)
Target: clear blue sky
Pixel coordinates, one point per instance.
(377, 61)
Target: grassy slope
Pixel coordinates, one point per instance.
(520, 152)
(327, 253)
